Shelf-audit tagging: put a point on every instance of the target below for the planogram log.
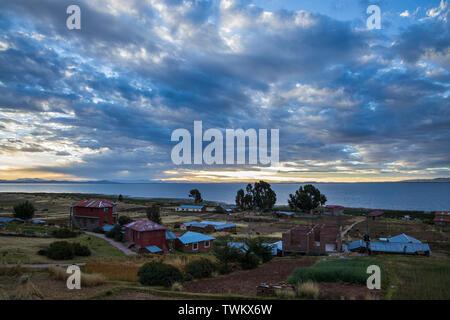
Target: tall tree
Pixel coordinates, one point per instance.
(24, 210)
(196, 195)
(153, 214)
(257, 197)
(306, 198)
(240, 199)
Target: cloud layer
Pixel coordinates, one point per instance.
(100, 103)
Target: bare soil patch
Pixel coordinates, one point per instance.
(348, 291)
(245, 282)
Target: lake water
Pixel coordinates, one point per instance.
(401, 196)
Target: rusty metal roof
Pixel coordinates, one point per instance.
(97, 203)
(144, 225)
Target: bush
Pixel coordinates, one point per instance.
(42, 252)
(64, 233)
(24, 210)
(159, 274)
(60, 250)
(249, 261)
(80, 250)
(199, 269)
(123, 220)
(115, 233)
(264, 252)
(98, 229)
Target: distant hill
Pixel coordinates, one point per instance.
(54, 181)
(428, 180)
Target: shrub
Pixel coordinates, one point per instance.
(24, 210)
(115, 233)
(159, 274)
(249, 261)
(177, 286)
(199, 269)
(308, 290)
(60, 250)
(80, 250)
(42, 252)
(123, 220)
(98, 229)
(264, 252)
(285, 293)
(64, 233)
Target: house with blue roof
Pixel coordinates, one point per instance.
(189, 208)
(209, 226)
(400, 244)
(194, 242)
(283, 214)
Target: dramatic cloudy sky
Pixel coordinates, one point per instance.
(351, 104)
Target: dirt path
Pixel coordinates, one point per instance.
(44, 266)
(245, 282)
(361, 219)
(118, 245)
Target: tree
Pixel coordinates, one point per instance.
(306, 198)
(24, 210)
(258, 247)
(120, 198)
(123, 220)
(240, 199)
(196, 195)
(153, 214)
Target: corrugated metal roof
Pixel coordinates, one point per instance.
(186, 206)
(356, 244)
(191, 237)
(286, 213)
(153, 249)
(97, 203)
(403, 238)
(224, 226)
(144, 225)
(170, 235)
(238, 245)
(108, 227)
(37, 221)
(6, 220)
(375, 214)
(398, 247)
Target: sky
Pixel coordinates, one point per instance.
(351, 104)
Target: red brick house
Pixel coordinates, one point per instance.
(312, 239)
(89, 214)
(194, 242)
(145, 233)
(375, 215)
(333, 210)
(442, 218)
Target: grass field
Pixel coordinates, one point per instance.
(24, 250)
(352, 270)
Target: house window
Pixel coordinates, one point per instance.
(207, 243)
(195, 246)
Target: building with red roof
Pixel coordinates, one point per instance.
(442, 218)
(375, 215)
(144, 233)
(333, 210)
(89, 214)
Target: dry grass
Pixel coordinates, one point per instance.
(114, 270)
(308, 290)
(26, 290)
(285, 293)
(87, 280)
(177, 286)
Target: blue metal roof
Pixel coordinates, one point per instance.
(403, 238)
(108, 227)
(191, 237)
(224, 226)
(356, 244)
(286, 213)
(153, 249)
(213, 223)
(6, 220)
(186, 206)
(238, 245)
(38, 221)
(170, 235)
(275, 247)
(398, 247)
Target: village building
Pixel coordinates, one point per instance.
(194, 242)
(283, 214)
(375, 215)
(171, 240)
(318, 238)
(144, 234)
(333, 210)
(208, 226)
(90, 214)
(442, 218)
(400, 244)
(189, 208)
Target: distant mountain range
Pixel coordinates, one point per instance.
(35, 180)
